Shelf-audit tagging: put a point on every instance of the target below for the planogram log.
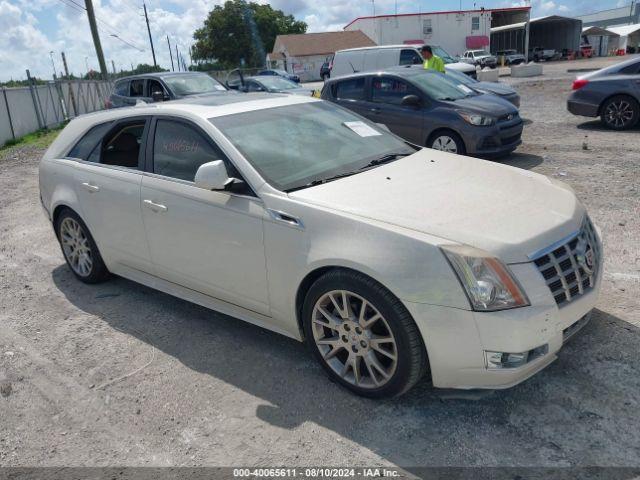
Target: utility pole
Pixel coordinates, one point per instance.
(146, 17)
(170, 54)
(113, 66)
(526, 34)
(177, 57)
(71, 96)
(53, 64)
(96, 38)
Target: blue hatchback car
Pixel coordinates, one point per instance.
(428, 108)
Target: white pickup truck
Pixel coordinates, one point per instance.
(539, 53)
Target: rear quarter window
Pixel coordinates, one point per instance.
(122, 88)
(89, 141)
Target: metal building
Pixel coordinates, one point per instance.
(553, 31)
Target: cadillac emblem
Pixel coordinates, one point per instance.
(585, 256)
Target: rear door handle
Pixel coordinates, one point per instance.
(156, 207)
(90, 188)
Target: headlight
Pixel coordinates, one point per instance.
(488, 282)
(476, 119)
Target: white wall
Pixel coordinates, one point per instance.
(307, 68)
(449, 30)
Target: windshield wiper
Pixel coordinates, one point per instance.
(375, 162)
(384, 159)
(320, 181)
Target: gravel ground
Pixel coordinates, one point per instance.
(118, 374)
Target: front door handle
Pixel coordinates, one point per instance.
(156, 207)
(374, 110)
(90, 188)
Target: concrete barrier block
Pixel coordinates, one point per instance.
(488, 74)
(530, 69)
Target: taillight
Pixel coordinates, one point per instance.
(579, 83)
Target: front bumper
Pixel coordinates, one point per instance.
(457, 340)
(495, 141)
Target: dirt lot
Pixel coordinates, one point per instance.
(118, 374)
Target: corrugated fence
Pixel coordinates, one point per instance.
(25, 110)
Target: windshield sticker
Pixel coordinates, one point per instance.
(464, 88)
(362, 129)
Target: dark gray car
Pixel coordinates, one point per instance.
(612, 93)
(157, 87)
(427, 108)
(273, 84)
(499, 89)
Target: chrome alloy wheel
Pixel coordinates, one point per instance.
(75, 246)
(619, 113)
(445, 143)
(354, 339)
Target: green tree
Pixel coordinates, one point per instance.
(242, 31)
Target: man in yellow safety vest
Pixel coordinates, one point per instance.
(431, 61)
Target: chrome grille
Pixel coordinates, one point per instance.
(570, 268)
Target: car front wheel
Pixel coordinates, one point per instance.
(620, 112)
(446, 141)
(362, 335)
(79, 249)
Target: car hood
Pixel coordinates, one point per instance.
(493, 87)
(504, 210)
(461, 67)
(485, 104)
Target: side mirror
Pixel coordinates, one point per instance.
(411, 101)
(157, 96)
(213, 176)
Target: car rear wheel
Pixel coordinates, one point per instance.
(79, 249)
(362, 335)
(446, 141)
(620, 112)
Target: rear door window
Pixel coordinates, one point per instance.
(352, 89)
(137, 88)
(390, 90)
(121, 146)
(82, 150)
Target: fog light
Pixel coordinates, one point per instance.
(497, 360)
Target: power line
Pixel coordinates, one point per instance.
(109, 29)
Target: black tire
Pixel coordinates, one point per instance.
(98, 271)
(625, 114)
(412, 361)
(460, 147)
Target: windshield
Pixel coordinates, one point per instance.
(295, 145)
(461, 78)
(439, 51)
(193, 84)
(278, 83)
(438, 87)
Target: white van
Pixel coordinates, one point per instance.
(366, 59)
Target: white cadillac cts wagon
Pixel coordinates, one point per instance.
(389, 260)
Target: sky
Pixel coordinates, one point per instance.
(31, 29)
